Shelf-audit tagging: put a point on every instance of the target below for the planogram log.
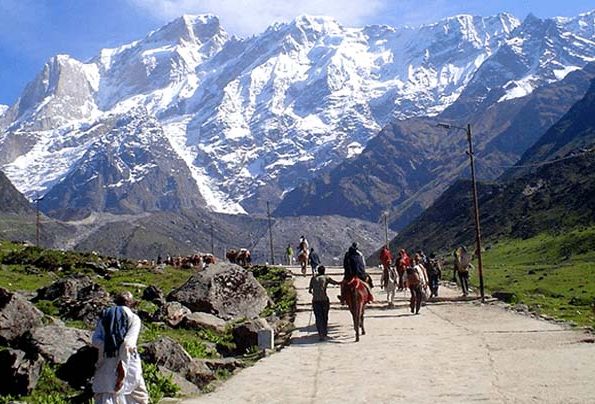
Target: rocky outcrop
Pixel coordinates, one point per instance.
(17, 316)
(78, 298)
(80, 367)
(64, 288)
(199, 373)
(226, 290)
(167, 353)
(204, 320)
(245, 335)
(153, 294)
(173, 313)
(19, 372)
(58, 343)
(88, 304)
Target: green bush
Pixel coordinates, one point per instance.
(159, 386)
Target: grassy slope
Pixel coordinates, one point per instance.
(39, 267)
(552, 274)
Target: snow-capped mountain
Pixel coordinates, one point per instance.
(247, 119)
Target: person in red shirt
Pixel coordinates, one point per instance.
(385, 258)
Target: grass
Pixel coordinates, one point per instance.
(279, 288)
(25, 268)
(553, 274)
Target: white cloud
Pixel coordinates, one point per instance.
(246, 17)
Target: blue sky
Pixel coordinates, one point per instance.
(31, 31)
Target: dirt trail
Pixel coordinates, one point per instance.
(453, 352)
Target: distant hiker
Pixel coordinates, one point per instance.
(354, 265)
(159, 260)
(303, 245)
(463, 266)
(320, 301)
(416, 279)
(434, 270)
(289, 254)
(403, 262)
(118, 373)
(385, 259)
(314, 260)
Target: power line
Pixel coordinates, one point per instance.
(543, 163)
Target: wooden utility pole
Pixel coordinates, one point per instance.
(271, 234)
(476, 212)
(386, 229)
(213, 241)
(475, 203)
(37, 222)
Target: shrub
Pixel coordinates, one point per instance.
(159, 386)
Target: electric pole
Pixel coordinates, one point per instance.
(37, 222)
(386, 229)
(271, 234)
(475, 203)
(213, 240)
(476, 211)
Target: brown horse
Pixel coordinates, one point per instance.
(356, 296)
(303, 260)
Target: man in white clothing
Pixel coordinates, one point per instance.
(118, 374)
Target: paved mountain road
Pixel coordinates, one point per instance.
(453, 352)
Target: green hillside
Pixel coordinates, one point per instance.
(552, 274)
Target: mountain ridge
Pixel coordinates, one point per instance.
(251, 118)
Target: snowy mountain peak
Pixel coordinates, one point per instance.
(251, 118)
(189, 28)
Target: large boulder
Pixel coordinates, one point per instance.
(224, 289)
(19, 372)
(88, 305)
(199, 373)
(78, 298)
(65, 288)
(245, 335)
(17, 316)
(57, 343)
(153, 294)
(80, 367)
(167, 353)
(173, 313)
(187, 388)
(204, 320)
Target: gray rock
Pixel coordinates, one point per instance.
(167, 353)
(58, 343)
(222, 364)
(245, 335)
(199, 373)
(17, 316)
(224, 289)
(88, 305)
(65, 288)
(507, 297)
(186, 388)
(19, 373)
(173, 313)
(204, 320)
(153, 294)
(80, 367)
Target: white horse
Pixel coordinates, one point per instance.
(391, 285)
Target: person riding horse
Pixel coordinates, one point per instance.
(354, 265)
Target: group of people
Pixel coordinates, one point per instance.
(428, 269)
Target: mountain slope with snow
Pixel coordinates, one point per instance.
(246, 120)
